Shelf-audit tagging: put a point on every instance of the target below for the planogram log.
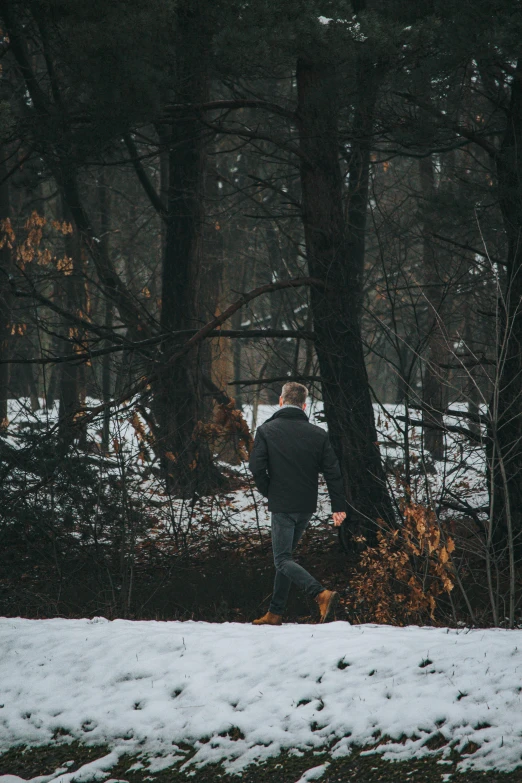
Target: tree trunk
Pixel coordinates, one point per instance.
(435, 354)
(71, 374)
(106, 383)
(508, 427)
(178, 395)
(5, 294)
(276, 364)
(213, 353)
(335, 250)
(237, 319)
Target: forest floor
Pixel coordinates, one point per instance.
(54, 761)
(226, 577)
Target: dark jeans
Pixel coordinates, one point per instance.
(287, 529)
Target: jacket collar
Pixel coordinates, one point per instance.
(289, 412)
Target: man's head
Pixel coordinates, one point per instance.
(294, 394)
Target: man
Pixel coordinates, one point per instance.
(287, 457)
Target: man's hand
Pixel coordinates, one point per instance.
(338, 518)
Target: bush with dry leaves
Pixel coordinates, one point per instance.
(402, 579)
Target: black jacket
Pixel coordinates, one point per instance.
(287, 457)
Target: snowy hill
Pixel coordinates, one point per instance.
(240, 694)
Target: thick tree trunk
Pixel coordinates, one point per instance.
(335, 250)
(507, 405)
(213, 354)
(178, 394)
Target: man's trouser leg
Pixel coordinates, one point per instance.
(287, 529)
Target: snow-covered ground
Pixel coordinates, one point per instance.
(241, 694)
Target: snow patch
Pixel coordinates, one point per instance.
(93, 770)
(241, 694)
(313, 774)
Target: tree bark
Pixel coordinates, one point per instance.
(335, 249)
(178, 395)
(106, 380)
(508, 427)
(236, 321)
(71, 374)
(5, 294)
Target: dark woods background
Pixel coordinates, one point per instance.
(202, 199)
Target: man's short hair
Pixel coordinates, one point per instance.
(294, 394)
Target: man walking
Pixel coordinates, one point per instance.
(287, 457)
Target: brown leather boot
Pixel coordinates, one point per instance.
(269, 619)
(327, 601)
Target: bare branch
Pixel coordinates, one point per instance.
(237, 103)
(247, 334)
(295, 282)
(280, 379)
(143, 385)
(444, 428)
(147, 185)
(471, 135)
